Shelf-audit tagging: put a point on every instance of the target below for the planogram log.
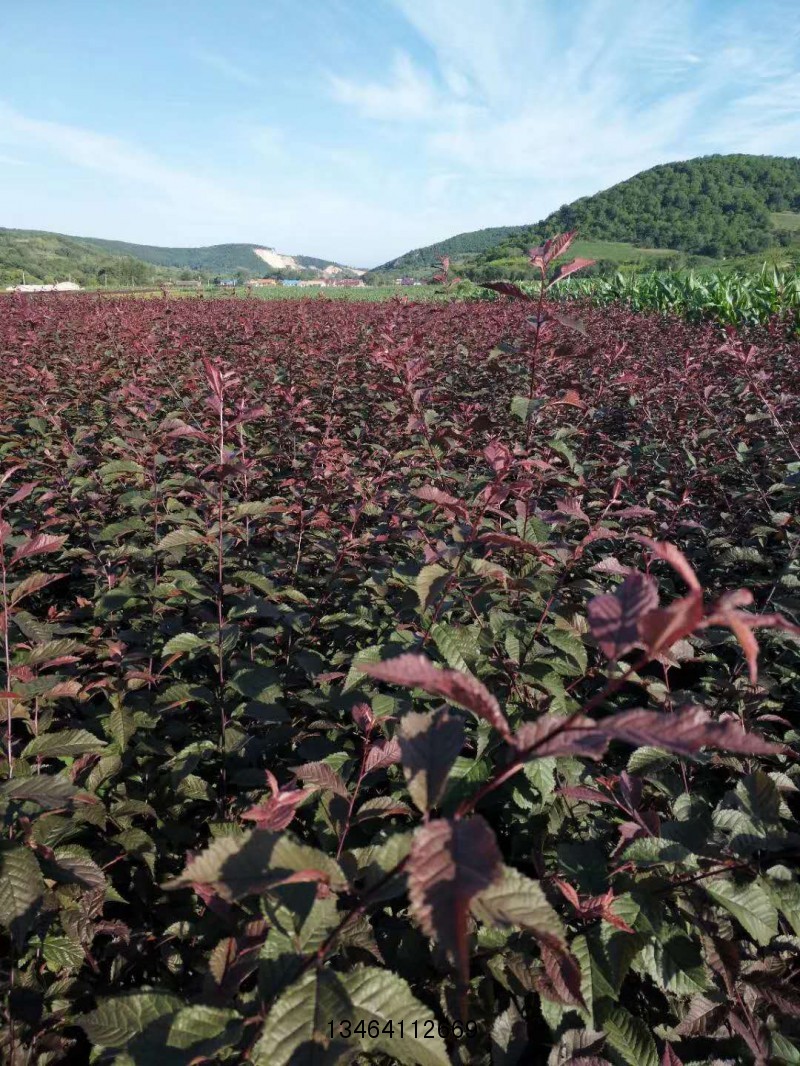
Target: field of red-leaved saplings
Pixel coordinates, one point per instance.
(373, 695)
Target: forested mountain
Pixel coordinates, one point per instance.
(48, 257)
(464, 244)
(720, 205)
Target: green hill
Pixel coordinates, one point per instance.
(47, 257)
(714, 206)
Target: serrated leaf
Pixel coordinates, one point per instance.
(39, 544)
(184, 643)
(429, 745)
(426, 583)
(179, 538)
(297, 1029)
(450, 863)
(67, 743)
(43, 789)
(32, 583)
(60, 953)
(323, 777)
(509, 1037)
(749, 904)
(516, 901)
(614, 617)
(455, 644)
(462, 689)
(21, 891)
(199, 1024)
(630, 1037)
(252, 863)
(383, 997)
(118, 1019)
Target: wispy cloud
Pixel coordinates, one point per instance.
(111, 156)
(408, 95)
(227, 68)
(570, 98)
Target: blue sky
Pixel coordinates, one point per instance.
(358, 129)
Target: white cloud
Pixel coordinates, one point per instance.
(112, 156)
(553, 101)
(409, 95)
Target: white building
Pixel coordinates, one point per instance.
(60, 286)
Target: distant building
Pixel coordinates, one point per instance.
(290, 283)
(60, 286)
(226, 283)
(407, 281)
(260, 283)
(318, 283)
(347, 283)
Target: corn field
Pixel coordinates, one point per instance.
(732, 298)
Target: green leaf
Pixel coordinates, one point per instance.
(61, 953)
(457, 645)
(251, 863)
(21, 891)
(51, 649)
(749, 904)
(179, 538)
(184, 642)
(111, 471)
(213, 1027)
(118, 1019)
(630, 1037)
(429, 582)
(429, 746)
(517, 901)
(522, 408)
(675, 963)
(64, 744)
(509, 1037)
(297, 1029)
(46, 790)
(568, 642)
(383, 997)
(355, 677)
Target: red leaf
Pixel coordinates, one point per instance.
(675, 557)
(684, 732)
(381, 754)
(615, 616)
(443, 499)
(554, 735)
(664, 626)
(506, 288)
(321, 776)
(564, 974)
(417, 671)
(22, 493)
(38, 545)
(570, 268)
(570, 323)
(742, 624)
(450, 863)
(506, 540)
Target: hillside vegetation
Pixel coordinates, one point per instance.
(48, 257)
(713, 206)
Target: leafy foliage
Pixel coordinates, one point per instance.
(397, 683)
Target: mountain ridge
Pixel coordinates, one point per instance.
(713, 206)
(46, 256)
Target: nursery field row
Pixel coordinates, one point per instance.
(383, 683)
